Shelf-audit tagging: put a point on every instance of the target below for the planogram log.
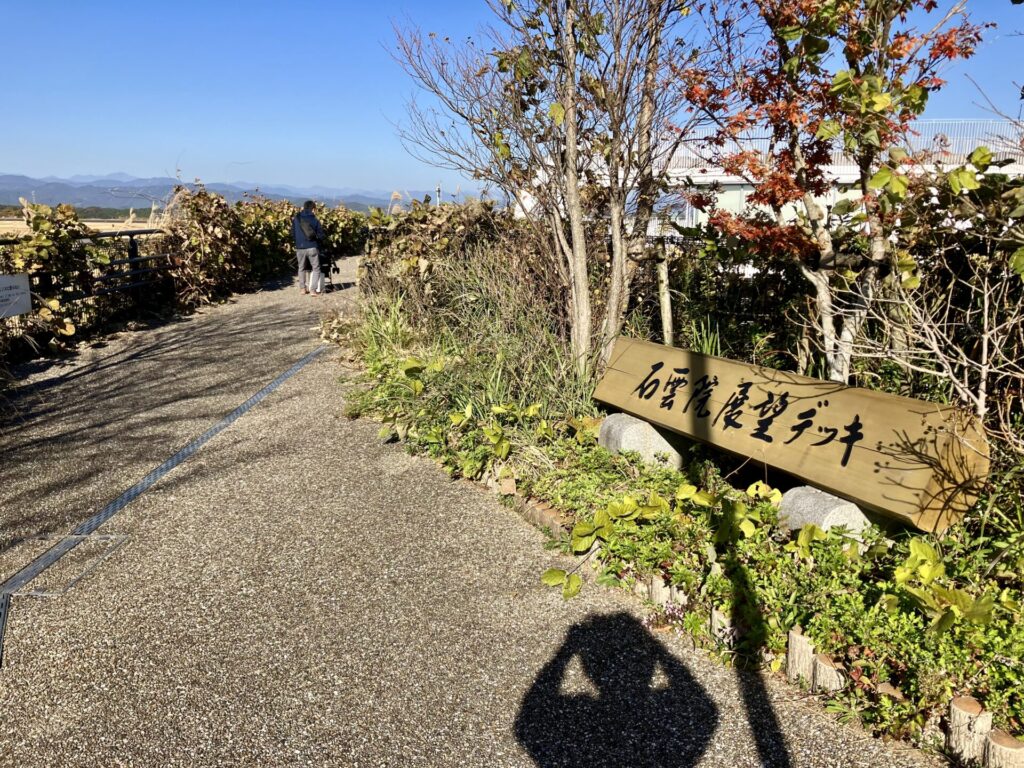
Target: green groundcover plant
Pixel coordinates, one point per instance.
(917, 612)
(475, 376)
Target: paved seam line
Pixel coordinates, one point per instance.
(56, 552)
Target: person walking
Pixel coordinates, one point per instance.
(309, 236)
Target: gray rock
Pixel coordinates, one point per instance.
(805, 505)
(642, 589)
(622, 432)
(659, 591)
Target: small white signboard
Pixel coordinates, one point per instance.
(15, 296)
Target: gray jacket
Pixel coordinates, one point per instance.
(313, 225)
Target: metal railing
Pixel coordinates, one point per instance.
(113, 280)
(119, 275)
(947, 142)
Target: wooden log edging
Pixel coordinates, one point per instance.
(1003, 751)
(542, 515)
(799, 658)
(675, 596)
(534, 511)
(970, 736)
(721, 628)
(642, 588)
(828, 676)
(660, 592)
(969, 726)
(972, 741)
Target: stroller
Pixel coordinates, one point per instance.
(328, 268)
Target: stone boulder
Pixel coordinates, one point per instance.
(805, 505)
(622, 432)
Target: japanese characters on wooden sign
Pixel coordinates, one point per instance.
(915, 461)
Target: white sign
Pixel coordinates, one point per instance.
(15, 297)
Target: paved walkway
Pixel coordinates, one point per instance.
(297, 593)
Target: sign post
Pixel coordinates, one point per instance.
(915, 461)
(15, 295)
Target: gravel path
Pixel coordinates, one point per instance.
(298, 593)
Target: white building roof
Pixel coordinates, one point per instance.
(944, 142)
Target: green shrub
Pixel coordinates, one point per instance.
(214, 249)
(464, 342)
(204, 246)
(346, 231)
(263, 236)
(462, 379)
(63, 266)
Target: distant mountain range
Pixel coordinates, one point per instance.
(120, 190)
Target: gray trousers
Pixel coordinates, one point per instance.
(309, 268)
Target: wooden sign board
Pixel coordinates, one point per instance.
(15, 296)
(918, 462)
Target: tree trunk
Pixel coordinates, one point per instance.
(625, 245)
(817, 219)
(618, 286)
(900, 330)
(647, 187)
(803, 352)
(855, 316)
(826, 320)
(581, 331)
(665, 300)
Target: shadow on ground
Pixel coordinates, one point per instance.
(131, 408)
(751, 632)
(641, 706)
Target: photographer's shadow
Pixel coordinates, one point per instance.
(643, 709)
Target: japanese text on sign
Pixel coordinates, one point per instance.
(15, 298)
(764, 413)
(912, 460)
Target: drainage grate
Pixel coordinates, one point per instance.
(110, 543)
(16, 583)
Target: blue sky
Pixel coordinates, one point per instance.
(274, 92)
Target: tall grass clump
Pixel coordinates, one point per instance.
(492, 336)
(465, 341)
(471, 298)
(502, 319)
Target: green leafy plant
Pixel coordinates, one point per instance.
(925, 616)
(571, 583)
(922, 575)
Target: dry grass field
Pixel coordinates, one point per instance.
(14, 227)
